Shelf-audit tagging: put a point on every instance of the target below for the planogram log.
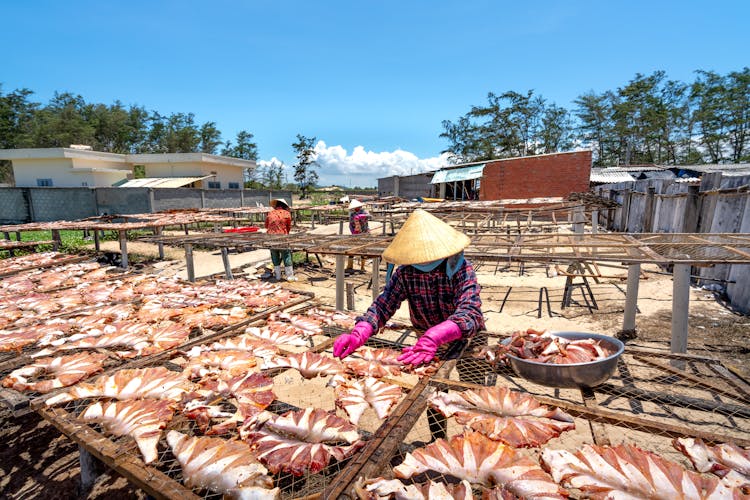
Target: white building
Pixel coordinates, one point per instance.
(75, 167)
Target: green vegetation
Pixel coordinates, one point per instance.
(649, 120)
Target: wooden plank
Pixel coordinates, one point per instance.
(386, 440)
(697, 380)
(153, 481)
(598, 430)
(619, 419)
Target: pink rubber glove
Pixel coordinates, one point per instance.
(427, 345)
(347, 343)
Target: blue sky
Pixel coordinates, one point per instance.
(372, 80)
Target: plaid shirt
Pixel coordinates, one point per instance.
(433, 298)
(278, 221)
(358, 221)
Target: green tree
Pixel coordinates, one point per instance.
(556, 131)
(246, 149)
(304, 173)
(16, 122)
(210, 138)
(62, 122)
(595, 125)
(273, 175)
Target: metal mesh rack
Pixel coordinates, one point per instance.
(653, 398)
(292, 392)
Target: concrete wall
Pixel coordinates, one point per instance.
(406, 186)
(19, 205)
(536, 176)
(13, 206)
(122, 201)
(67, 172)
(51, 204)
(387, 186)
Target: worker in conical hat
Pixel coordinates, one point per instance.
(438, 283)
(279, 221)
(358, 224)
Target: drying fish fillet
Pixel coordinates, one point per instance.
(223, 466)
(479, 460)
(142, 420)
(385, 489)
(250, 394)
(13, 340)
(246, 342)
(512, 417)
(355, 396)
(332, 318)
(308, 326)
(309, 364)
(141, 383)
(65, 370)
(381, 363)
(231, 362)
(301, 440)
(278, 337)
(726, 460)
(626, 471)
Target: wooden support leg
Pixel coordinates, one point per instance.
(189, 262)
(680, 304)
(225, 259)
(56, 240)
(631, 299)
(340, 282)
(375, 278)
(160, 245)
(91, 468)
(123, 248)
(350, 296)
(97, 246)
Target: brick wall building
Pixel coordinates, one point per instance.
(551, 175)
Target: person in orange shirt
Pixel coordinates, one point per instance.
(279, 221)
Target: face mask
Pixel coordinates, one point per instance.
(453, 264)
(428, 266)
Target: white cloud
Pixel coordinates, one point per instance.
(361, 167)
(336, 160)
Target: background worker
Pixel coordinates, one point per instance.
(279, 221)
(441, 289)
(358, 224)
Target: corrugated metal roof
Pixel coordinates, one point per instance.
(163, 182)
(606, 176)
(715, 167)
(458, 174)
(664, 174)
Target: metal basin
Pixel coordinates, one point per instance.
(572, 375)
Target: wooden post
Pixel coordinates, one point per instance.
(624, 216)
(123, 235)
(340, 282)
(680, 304)
(350, 296)
(96, 240)
(631, 298)
(225, 259)
(341, 227)
(189, 262)
(578, 220)
(595, 222)
(160, 245)
(91, 468)
(375, 278)
(648, 222)
(56, 240)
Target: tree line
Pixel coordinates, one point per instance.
(651, 119)
(68, 119)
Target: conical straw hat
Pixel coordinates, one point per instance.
(424, 238)
(276, 201)
(355, 204)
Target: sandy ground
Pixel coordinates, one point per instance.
(36, 462)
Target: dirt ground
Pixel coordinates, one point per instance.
(37, 462)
